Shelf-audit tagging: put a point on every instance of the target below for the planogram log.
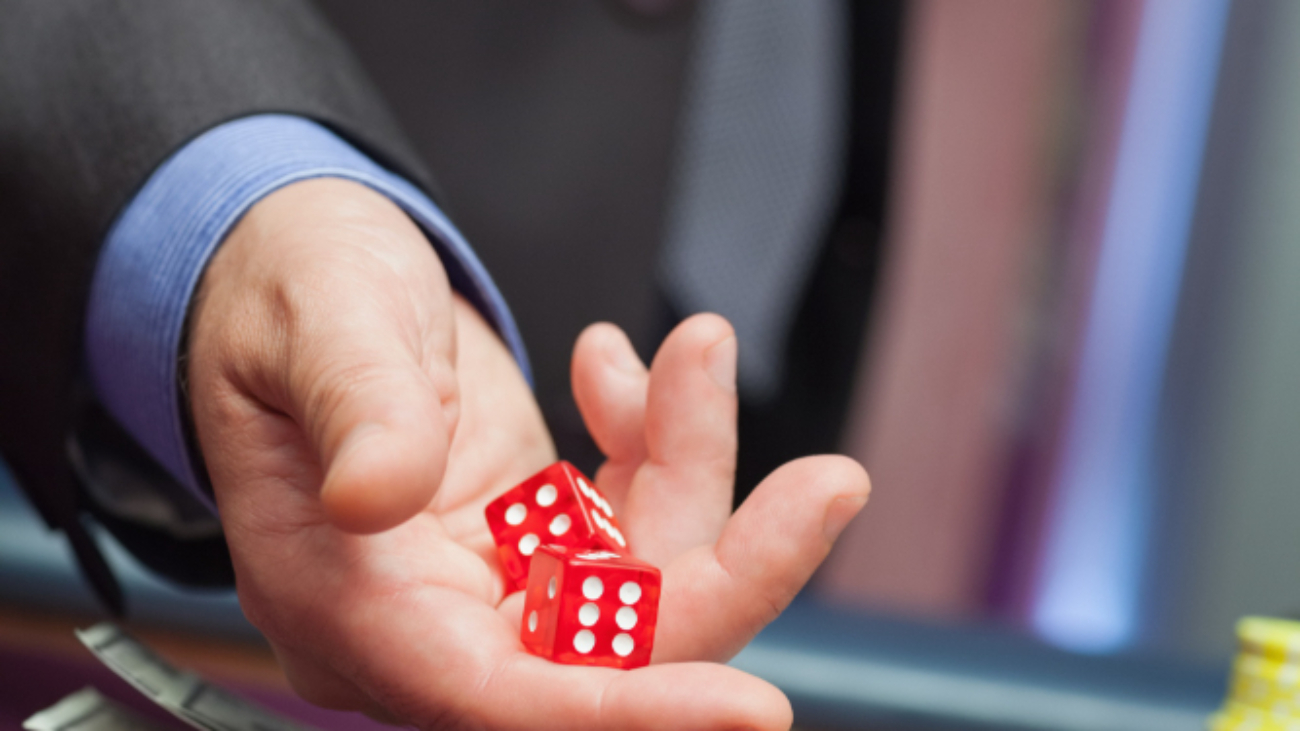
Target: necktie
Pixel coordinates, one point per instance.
(758, 163)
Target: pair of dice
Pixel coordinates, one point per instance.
(587, 601)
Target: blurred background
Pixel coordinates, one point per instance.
(1047, 296)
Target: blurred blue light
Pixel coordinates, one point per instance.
(1089, 588)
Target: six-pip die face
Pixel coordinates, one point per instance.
(590, 607)
(558, 506)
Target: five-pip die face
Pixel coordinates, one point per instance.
(590, 607)
(557, 506)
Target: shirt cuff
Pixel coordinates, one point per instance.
(156, 252)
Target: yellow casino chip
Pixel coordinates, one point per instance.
(1264, 692)
(1269, 638)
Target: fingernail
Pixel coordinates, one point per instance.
(720, 362)
(621, 356)
(838, 515)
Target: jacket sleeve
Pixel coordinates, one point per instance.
(96, 94)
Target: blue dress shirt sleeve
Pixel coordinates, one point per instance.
(157, 249)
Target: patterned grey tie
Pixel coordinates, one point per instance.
(758, 163)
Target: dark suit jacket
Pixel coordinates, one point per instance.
(551, 127)
(96, 95)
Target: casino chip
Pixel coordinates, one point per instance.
(1264, 694)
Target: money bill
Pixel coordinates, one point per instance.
(88, 710)
(182, 693)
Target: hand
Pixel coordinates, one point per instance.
(356, 417)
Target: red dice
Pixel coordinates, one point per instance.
(590, 607)
(557, 506)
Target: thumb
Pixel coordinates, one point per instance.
(380, 420)
(382, 428)
(327, 305)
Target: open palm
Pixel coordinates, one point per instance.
(356, 425)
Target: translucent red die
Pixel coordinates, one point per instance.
(590, 607)
(558, 506)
